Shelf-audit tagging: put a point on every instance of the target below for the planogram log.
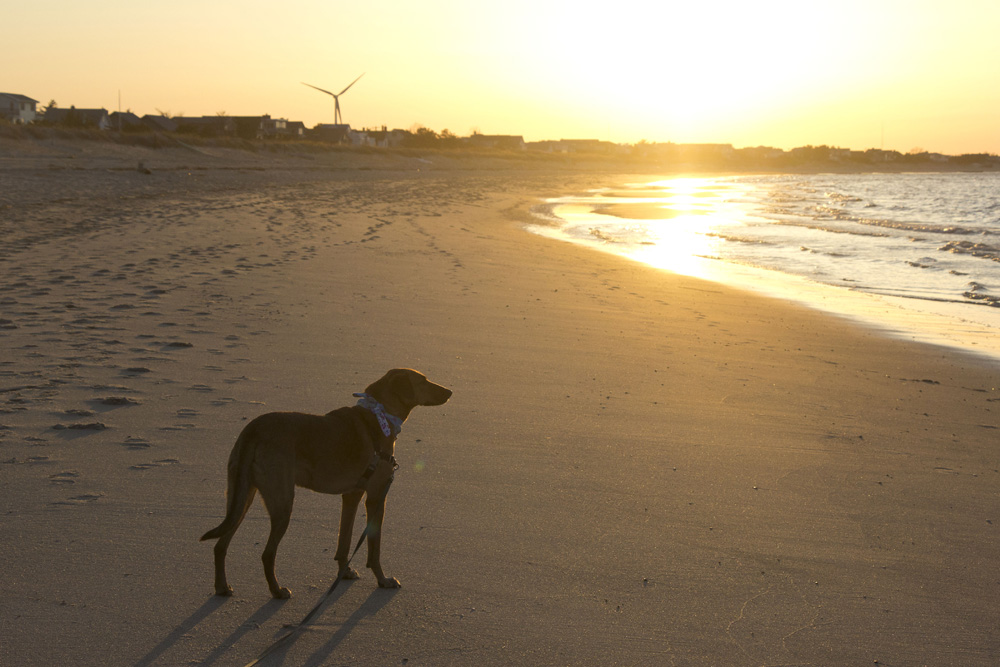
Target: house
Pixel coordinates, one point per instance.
(378, 137)
(206, 126)
(259, 127)
(331, 133)
(159, 123)
(125, 121)
(272, 127)
(17, 108)
(760, 153)
(587, 146)
(73, 117)
(877, 155)
(508, 142)
(295, 129)
(548, 146)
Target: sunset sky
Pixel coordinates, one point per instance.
(851, 73)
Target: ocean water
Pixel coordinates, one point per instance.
(917, 255)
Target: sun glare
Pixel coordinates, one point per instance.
(680, 242)
(669, 224)
(680, 245)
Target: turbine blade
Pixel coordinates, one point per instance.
(350, 84)
(317, 88)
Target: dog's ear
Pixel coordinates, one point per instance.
(401, 385)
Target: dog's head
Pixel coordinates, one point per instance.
(402, 389)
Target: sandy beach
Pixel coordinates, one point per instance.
(636, 468)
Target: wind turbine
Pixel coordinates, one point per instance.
(336, 98)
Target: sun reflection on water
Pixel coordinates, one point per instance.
(667, 224)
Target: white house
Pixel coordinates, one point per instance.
(378, 138)
(17, 108)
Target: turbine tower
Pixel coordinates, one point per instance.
(336, 98)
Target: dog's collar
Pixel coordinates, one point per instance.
(390, 424)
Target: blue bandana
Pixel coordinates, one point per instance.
(388, 423)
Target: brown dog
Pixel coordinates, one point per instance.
(348, 451)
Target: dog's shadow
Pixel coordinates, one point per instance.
(185, 626)
(264, 612)
(378, 599)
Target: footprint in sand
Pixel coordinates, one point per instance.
(92, 426)
(80, 500)
(116, 401)
(65, 477)
(31, 460)
(135, 442)
(179, 427)
(154, 464)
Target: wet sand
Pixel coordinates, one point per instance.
(636, 467)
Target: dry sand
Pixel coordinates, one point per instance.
(636, 468)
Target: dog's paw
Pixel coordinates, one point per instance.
(389, 582)
(281, 594)
(349, 573)
(226, 592)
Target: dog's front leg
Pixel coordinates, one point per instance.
(375, 510)
(347, 513)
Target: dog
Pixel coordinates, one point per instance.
(348, 452)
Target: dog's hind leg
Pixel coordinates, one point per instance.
(278, 502)
(347, 514)
(222, 546)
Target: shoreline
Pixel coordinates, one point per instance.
(922, 321)
(636, 467)
(968, 327)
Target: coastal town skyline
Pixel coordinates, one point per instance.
(264, 127)
(857, 75)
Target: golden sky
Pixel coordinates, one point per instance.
(851, 73)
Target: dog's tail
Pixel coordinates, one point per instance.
(237, 485)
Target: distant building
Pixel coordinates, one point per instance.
(331, 133)
(498, 141)
(295, 129)
(587, 146)
(877, 155)
(125, 121)
(206, 126)
(272, 127)
(378, 138)
(760, 153)
(18, 108)
(546, 146)
(159, 123)
(73, 117)
(259, 127)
